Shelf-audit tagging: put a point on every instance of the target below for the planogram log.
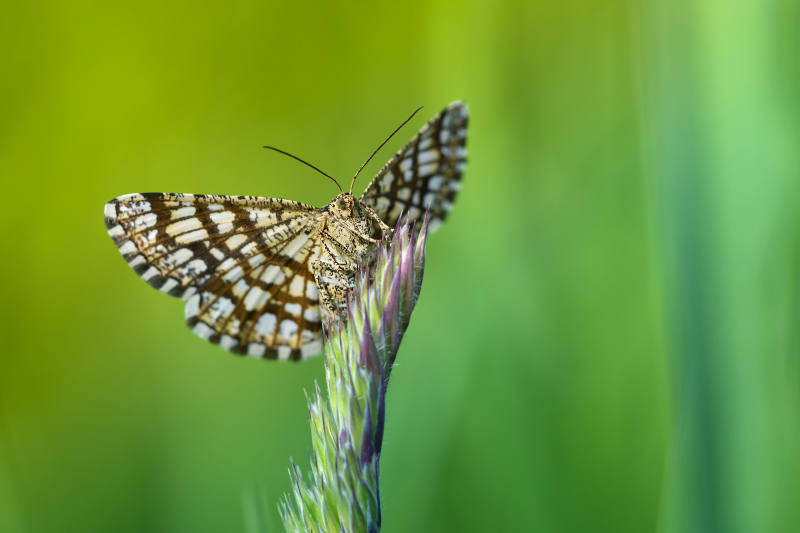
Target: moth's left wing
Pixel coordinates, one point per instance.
(425, 173)
(241, 263)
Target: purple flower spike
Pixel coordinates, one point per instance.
(347, 426)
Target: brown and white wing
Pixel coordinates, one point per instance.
(242, 264)
(426, 172)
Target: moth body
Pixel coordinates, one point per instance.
(259, 274)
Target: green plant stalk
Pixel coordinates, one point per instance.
(343, 492)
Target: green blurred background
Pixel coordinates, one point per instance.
(607, 338)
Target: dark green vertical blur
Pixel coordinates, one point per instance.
(607, 334)
(723, 125)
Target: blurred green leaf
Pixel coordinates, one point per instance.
(632, 180)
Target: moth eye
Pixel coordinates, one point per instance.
(340, 203)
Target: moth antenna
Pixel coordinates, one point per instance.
(309, 164)
(381, 146)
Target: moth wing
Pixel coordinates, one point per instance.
(426, 172)
(242, 264)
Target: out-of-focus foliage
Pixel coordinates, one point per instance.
(607, 336)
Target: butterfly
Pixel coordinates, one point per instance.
(259, 274)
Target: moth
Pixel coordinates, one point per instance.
(259, 274)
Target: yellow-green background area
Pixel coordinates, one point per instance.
(607, 337)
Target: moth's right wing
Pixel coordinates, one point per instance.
(425, 173)
(242, 264)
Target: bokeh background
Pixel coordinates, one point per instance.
(607, 338)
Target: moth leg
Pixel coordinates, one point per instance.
(333, 257)
(356, 232)
(338, 267)
(381, 223)
(361, 235)
(333, 279)
(327, 237)
(333, 284)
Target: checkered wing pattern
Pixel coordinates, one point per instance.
(425, 173)
(242, 264)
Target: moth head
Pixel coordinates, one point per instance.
(345, 203)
